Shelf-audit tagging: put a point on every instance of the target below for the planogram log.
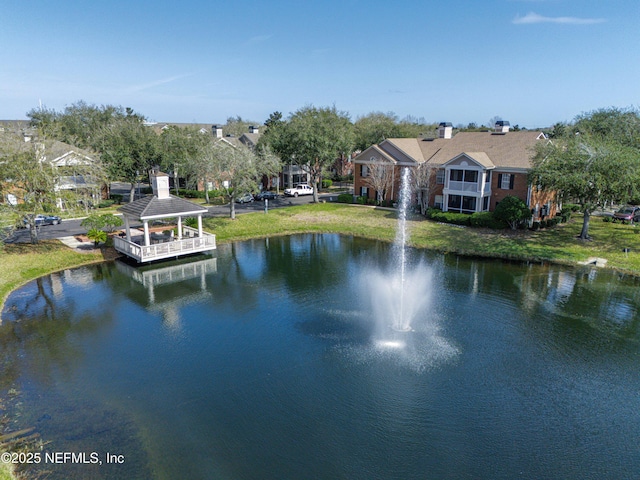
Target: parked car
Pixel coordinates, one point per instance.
(244, 198)
(301, 189)
(44, 220)
(628, 214)
(266, 195)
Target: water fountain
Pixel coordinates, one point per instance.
(400, 322)
(399, 293)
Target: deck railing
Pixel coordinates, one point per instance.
(171, 248)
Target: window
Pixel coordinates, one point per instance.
(485, 204)
(505, 181)
(364, 191)
(487, 178)
(438, 201)
(456, 175)
(440, 177)
(471, 176)
(462, 204)
(468, 204)
(364, 170)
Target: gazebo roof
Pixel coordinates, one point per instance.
(152, 207)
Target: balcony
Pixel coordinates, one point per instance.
(468, 187)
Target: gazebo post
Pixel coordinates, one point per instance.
(127, 229)
(179, 228)
(199, 225)
(147, 241)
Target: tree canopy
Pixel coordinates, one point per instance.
(314, 138)
(592, 162)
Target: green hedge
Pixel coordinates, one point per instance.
(487, 220)
(345, 198)
(478, 219)
(448, 217)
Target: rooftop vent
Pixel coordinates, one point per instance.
(445, 130)
(501, 126)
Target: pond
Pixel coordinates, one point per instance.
(267, 361)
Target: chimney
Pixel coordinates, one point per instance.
(217, 131)
(159, 183)
(253, 129)
(501, 126)
(445, 130)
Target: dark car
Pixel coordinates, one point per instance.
(44, 220)
(266, 195)
(627, 214)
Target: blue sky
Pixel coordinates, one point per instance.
(532, 62)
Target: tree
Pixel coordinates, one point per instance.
(181, 149)
(25, 174)
(314, 138)
(128, 149)
(513, 211)
(596, 161)
(236, 126)
(79, 123)
(375, 127)
(238, 169)
(422, 183)
(107, 222)
(380, 178)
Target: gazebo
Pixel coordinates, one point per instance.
(147, 246)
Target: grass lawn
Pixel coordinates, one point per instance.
(559, 244)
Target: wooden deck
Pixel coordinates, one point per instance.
(170, 248)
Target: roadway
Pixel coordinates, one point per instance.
(70, 227)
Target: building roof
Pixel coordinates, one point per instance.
(151, 207)
(504, 150)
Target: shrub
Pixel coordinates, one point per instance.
(564, 216)
(97, 236)
(513, 211)
(116, 197)
(107, 222)
(106, 203)
(535, 226)
(571, 207)
(450, 217)
(345, 198)
(191, 222)
(486, 220)
(361, 200)
(607, 219)
(326, 183)
(432, 211)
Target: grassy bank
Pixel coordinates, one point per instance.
(21, 263)
(559, 244)
(24, 262)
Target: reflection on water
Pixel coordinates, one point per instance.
(265, 362)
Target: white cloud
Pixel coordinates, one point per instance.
(258, 39)
(532, 17)
(156, 83)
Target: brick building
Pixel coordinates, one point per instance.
(467, 172)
